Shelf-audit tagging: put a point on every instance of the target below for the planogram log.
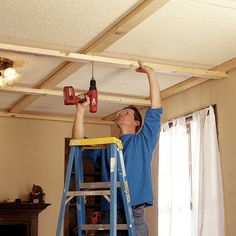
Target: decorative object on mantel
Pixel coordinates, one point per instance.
(37, 195)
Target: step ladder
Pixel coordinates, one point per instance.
(108, 188)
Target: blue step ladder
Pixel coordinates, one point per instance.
(108, 188)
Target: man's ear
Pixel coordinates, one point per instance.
(117, 124)
(137, 122)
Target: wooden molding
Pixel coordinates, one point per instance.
(186, 84)
(126, 24)
(110, 117)
(102, 97)
(193, 81)
(113, 116)
(31, 91)
(177, 88)
(124, 63)
(226, 66)
(124, 100)
(52, 118)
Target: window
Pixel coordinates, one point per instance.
(190, 186)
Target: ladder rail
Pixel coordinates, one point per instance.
(65, 190)
(125, 194)
(79, 178)
(113, 189)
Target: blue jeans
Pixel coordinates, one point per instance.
(139, 221)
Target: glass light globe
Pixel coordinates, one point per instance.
(9, 74)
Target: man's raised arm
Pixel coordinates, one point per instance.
(153, 85)
(78, 125)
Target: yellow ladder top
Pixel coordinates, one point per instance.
(96, 141)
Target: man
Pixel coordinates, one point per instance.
(138, 147)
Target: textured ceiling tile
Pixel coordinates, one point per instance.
(185, 30)
(7, 99)
(64, 25)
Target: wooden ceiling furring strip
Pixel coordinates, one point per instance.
(124, 63)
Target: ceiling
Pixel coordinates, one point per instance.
(190, 38)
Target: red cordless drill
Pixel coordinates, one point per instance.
(71, 99)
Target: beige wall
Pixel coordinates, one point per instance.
(223, 94)
(32, 152)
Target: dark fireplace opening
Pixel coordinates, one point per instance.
(13, 230)
(20, 219)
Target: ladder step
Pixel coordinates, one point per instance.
(88, 193)
(97, 185)
(103, 227)
(96, 141)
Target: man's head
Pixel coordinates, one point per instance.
(129, 116)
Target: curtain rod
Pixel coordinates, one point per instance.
(188, 117)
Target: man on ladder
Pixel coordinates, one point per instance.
(138, 147)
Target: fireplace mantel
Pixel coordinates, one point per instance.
(21, 214)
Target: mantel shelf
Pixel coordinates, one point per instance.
(24, 206)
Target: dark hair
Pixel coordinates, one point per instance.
(137, 116)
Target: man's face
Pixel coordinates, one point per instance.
(126, 118)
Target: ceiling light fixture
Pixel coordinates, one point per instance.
(7, 73)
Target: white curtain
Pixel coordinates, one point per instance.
(174, 215)
(207, 193)
(190, 172)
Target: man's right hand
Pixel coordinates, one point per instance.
(153, 84)
(144, 69)
(78, 125)
(82, 106)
